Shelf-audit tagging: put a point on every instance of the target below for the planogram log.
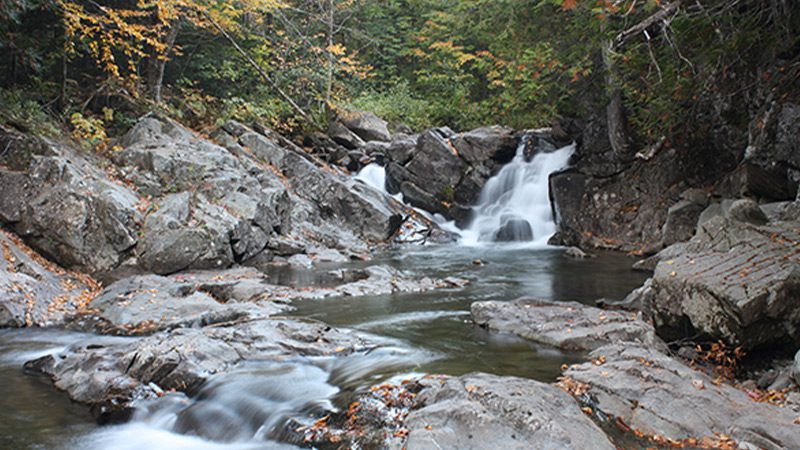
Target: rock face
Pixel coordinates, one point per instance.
(566, 325)
(173, 201)
(443, 172)
(479, 411)
(735, 280)
(110, 375)
(658, 395)
(66, 208)
(35, 292)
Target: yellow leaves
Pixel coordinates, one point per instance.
(337, 49)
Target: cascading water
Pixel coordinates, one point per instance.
(514, 205)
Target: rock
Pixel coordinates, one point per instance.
(734, 281)
(111, 376)
(187, 232)
(796, 368)
(782, 211)
(145, 304)
(365, 125)
(657, 395)
(489, 143)
(514, 230)
(681, 222)
(36, 292)
(401, 150)
(69, 210)
(478, 411)
(435, 165)
(746, 210)
(576, 253)
(343, 136)
(763, 181)
(566, 325)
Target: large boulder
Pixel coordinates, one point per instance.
(478, 411)
(68, 209)
(365, 125)
(734, 280)
(497, 144)
(568, 326)
(661, 397)
(36, 292)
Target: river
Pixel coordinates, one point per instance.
(422, 333)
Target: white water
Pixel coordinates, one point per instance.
(519, 193)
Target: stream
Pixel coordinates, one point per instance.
(422, 333)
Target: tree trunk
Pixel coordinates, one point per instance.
(158, 63)
(329, 80)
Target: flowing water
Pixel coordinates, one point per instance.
(251, 406)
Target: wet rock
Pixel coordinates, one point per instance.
(145, 304)
(733, 280)
(35, 292)
(514, 230)
(478, 411)
(565, 325)
(576, 253)
(109, 376)
(658, 395)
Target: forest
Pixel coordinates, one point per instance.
(92, 66)
(400, 224)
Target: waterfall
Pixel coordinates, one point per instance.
(373, 175)
(514, 205)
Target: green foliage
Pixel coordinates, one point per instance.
(398, 104)
(20, 111)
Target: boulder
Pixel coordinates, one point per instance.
(734, 280)
(145, 304)
(681, 222)
(514, 230)
(187, 232)
(365, 125)
(401, 150)
(36, 292)
(478, 411)
(490, 143)
(660, 396)
(72, 212)
(795, 370)
(436, 165)
(343, 136)
(568, 326)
